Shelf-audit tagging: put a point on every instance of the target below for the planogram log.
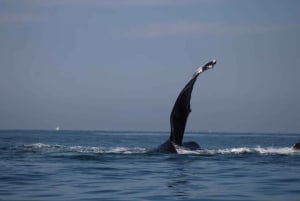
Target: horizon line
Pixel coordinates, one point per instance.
(149, 131)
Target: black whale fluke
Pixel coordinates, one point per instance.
(180, 113)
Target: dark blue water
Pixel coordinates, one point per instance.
(95, 165)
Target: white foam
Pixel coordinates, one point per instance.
(37, 145)
(243, 150)
(121, 150)
(180, 150)
(273, 150)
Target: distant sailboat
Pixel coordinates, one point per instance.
(57, 128)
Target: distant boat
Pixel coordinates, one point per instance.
(57, 128)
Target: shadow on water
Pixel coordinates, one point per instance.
(178, 186)
(179, 179)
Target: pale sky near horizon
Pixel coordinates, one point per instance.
(120, 64)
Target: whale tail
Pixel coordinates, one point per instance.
(182, 107)
(179, 115)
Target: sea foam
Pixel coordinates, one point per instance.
(243, 150)
(139, 150)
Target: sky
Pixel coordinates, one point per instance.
(120, 64)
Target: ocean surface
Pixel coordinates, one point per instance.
(101, 165)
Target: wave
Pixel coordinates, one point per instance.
(81, 149)
(243, 150)
(56, 148)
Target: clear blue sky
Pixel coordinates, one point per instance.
(120, 64)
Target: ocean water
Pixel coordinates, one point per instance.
(98, 165)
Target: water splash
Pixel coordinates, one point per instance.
(80, 149)
(40, 147)
(243, 150)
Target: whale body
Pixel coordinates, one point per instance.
(179, 116)
(296, 146)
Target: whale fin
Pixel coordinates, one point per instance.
(182, 107)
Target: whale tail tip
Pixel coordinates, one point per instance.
(205, 67)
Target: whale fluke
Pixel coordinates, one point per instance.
(180, 113)
(182, 107)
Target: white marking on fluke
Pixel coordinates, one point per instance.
(199, 70)
(209, 65)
